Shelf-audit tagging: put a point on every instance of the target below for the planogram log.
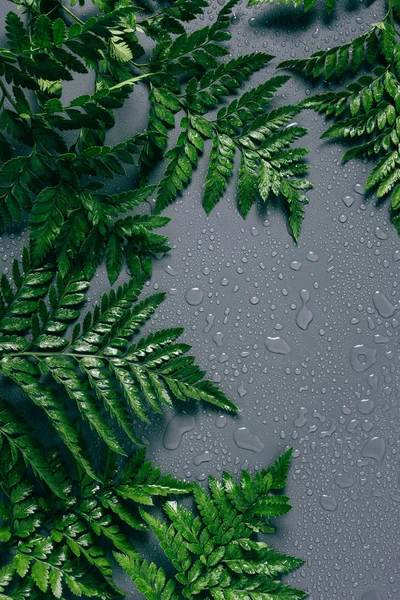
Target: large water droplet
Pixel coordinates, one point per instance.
(384, 307)
(375, 449)
(304, 316)
(343, 481)
(371, 595)
(248, 441)
(295, 265)
(202, 458)
(194, 296)
(277, 345)
(328, 503)
(362, 357)
(312, 256)
(178, 425)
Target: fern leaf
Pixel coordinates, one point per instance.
(213, 551)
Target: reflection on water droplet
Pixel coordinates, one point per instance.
(384, 307)
(202, 458)
(277, 345)
(248, 441)
(178, 425)
(375, 449)
(194, 296)
(362, 357)
(328, 503)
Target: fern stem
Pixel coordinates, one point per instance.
(390, 11)
(8, 96)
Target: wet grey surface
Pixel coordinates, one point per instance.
(304, 338)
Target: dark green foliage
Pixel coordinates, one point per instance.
(63, 515)
(98, 366)
(213, 552)
(51, 543)
(61, 184)
(364, 51)
(367, 113)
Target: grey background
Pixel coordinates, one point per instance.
(343, 423)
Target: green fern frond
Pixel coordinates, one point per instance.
(213, 551)
(99, 355)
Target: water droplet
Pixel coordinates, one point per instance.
(254, 300)
(348, 200)
(223, 357)
(371, 595)
(220, 421)
(277, 345)
(218, 338)
(358, 188)
(384, 307)
(343, 481)
(202, 458)
(304, 316)
(241, 390)
(194, 296)
(362, 357)
(396, 255)
(254, 231)
(375, 448)
(210, 322)
(295, 265)
(366, 406)
(380, 234)
(312, 256)
(178, 425)
(328, 503)
(248, 441)
(301, 419)
(171, 271)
